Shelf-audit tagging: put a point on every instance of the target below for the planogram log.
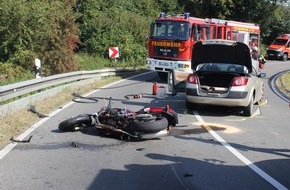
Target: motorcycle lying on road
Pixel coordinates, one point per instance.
(147, 123)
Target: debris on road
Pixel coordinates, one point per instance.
(21, 141)
(33, 110)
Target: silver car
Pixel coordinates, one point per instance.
(224, 74)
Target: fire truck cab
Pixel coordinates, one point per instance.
(280, 48)
(171, 40)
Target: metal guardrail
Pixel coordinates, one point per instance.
(59, 82)
(18, 89)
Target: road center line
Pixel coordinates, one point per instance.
(246, 161)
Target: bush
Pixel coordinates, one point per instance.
(42, 29)
(11, 73)
(91, 62)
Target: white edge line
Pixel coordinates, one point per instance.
(246, 161)
(11, 145)
(274, 86)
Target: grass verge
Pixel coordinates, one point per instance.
(283, 83)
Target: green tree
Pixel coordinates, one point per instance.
(123, 23)
(42, 29)
(208, 8)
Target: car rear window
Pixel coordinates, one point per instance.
(222, 67)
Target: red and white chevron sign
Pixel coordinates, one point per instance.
(114, 52)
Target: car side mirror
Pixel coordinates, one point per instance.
(262, 75)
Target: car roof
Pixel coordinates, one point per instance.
(221, 51)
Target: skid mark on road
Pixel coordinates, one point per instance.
(246, 161)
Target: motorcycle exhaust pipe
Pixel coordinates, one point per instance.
(158, 134)
(113, 129)
(145, 136)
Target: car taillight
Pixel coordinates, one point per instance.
(240, 81)
(192, 79)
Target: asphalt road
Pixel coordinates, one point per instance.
(211, 148)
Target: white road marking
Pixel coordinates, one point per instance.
(246, 161)
(273, 86)
(11, 145)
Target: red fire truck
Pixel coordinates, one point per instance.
(172, 37)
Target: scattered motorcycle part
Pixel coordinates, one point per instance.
(88, 99)
(76, 145)
(137, 96)
(21, 141)
(33, 110)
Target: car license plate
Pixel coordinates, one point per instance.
(213, 94)
(163, 64)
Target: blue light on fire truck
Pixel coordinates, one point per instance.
(161, 15)
(186, 15)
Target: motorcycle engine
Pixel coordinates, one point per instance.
(111, 122)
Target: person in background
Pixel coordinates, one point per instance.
(255, 53)
(262, 62)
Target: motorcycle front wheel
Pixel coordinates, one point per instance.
(75, 123)
(149, 126)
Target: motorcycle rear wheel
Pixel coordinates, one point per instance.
(75, 123)
(149, 126)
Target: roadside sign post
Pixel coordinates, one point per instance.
(114, 53)
(37, 68)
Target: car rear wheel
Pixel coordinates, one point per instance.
(190, 106)
(248, 110)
